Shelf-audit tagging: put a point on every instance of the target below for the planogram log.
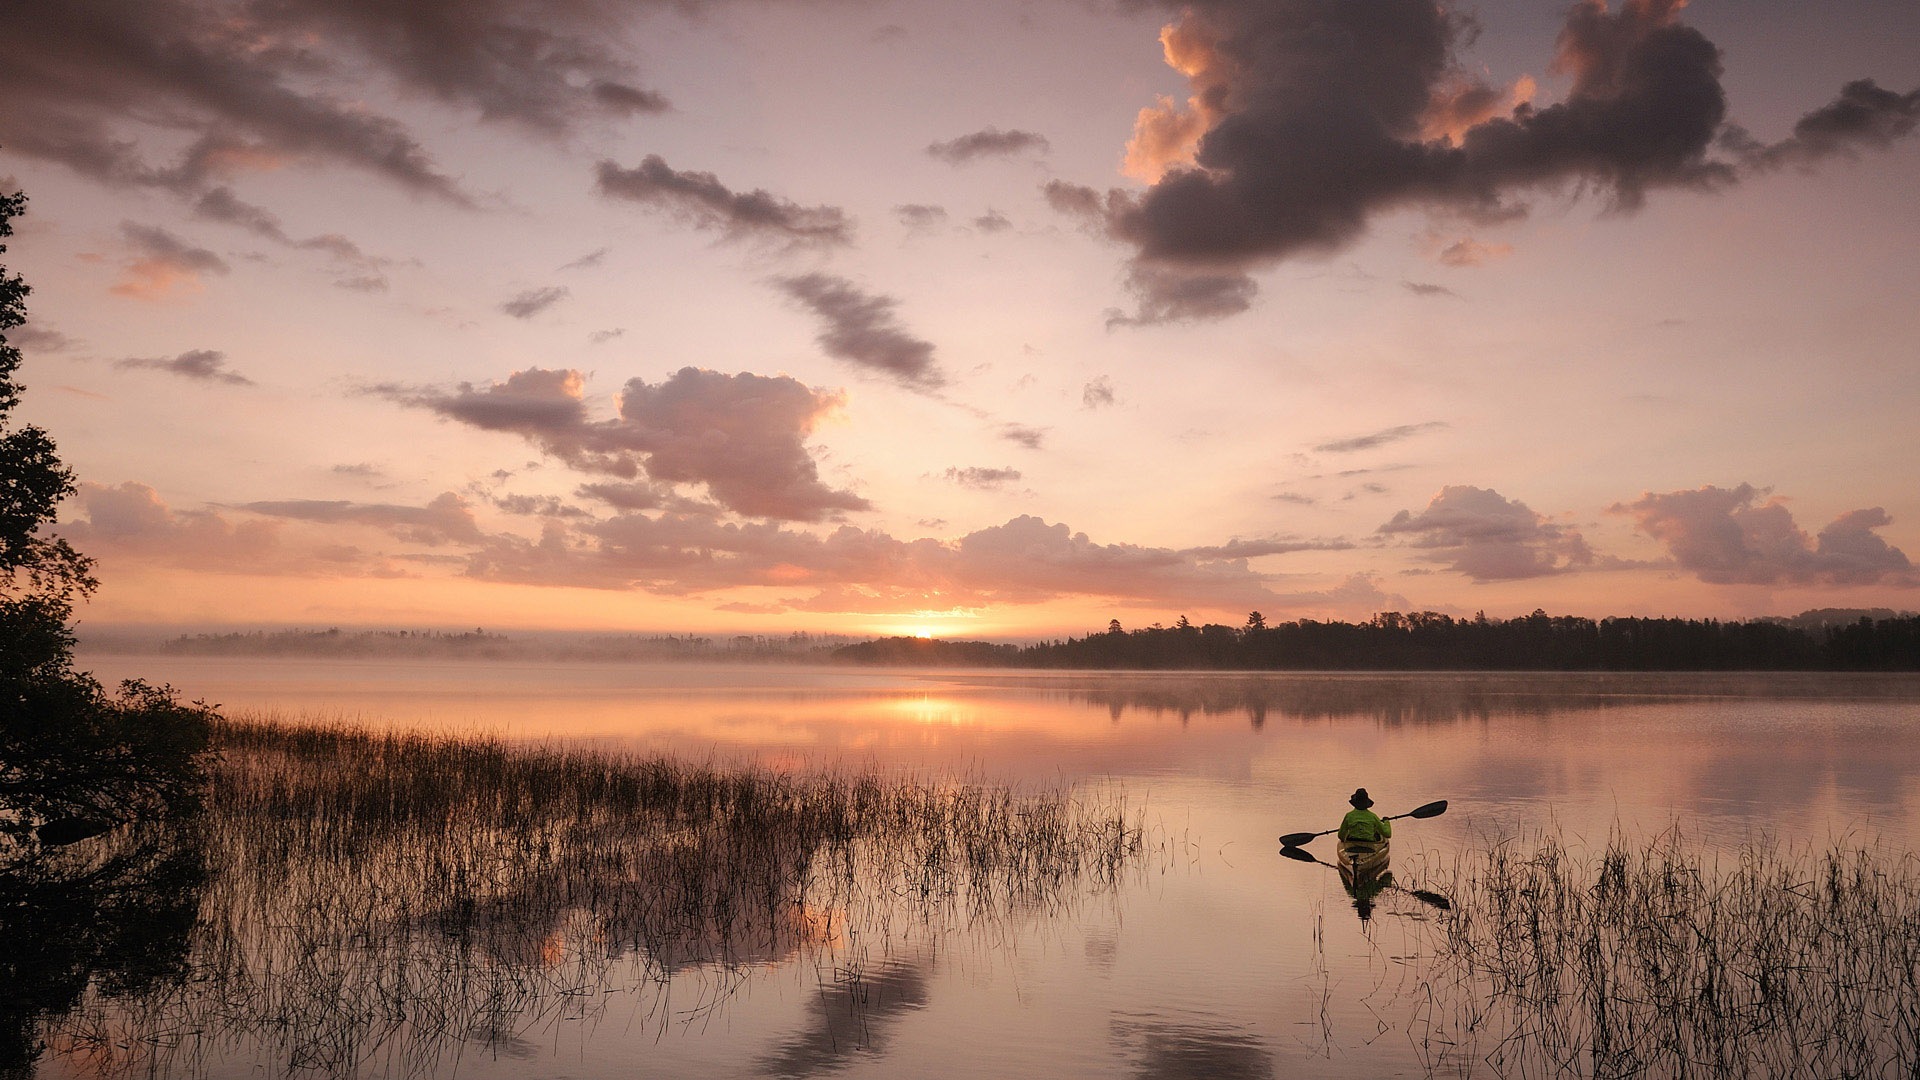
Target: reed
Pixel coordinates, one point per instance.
(1655, 960)
(382, 902)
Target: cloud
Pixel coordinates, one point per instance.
(1295, 498)
(742, 436)
(993, 221)
(163, 264)
(1467, 251)
(97, 85)
(448, 519)
(861, 329)
(983, 479)
(1864, 117)
(1253, 549)
(601, 337)
(988, 142)
(1481, 533)
(701, 199)
(1098, 393)
(130, 521)
(35, 338)
(1729, 536)
(920, 216)
(204, 365)
(1423, 288)
(588, 261)
(1032, 438)
(534, 301)
(1376, 439)
(1309, 118)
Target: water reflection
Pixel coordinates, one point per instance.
(114, 913)
(1160, 1049)
(852, 1017)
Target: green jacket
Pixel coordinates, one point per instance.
(1364, 825)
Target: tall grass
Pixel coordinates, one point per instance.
(385, 903)
(1653, 960)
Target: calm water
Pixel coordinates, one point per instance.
(1217, 958)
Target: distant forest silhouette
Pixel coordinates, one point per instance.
(1429, 641)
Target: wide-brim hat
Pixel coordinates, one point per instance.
(1360, 798)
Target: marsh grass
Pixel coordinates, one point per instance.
(1653, 960)
(383, 903)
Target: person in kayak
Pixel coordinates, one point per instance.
(1361, 823)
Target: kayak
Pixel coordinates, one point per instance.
(1361, 861)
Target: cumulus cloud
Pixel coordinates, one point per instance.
(1032, 438)
(203, 365)
(162, 264)
(988, 142)
(1098, 393)
(861, 329)
(1376, 439)
(983, 479)
(742, 436)
(702, 200)
(1488, 537)
(534, 301)
(131, 521)
(1308, 118)
(1743, 536)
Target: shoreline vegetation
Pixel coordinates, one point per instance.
(1820, 640)
(375, 902)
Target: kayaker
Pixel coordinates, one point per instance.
(1361, 823)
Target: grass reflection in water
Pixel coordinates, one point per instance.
(378, 903)
(1654, 960)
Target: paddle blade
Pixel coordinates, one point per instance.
(1432, 809)
(1295, 839)
(1296, 853)
(69, 830)
(1433, 898)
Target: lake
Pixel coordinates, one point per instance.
(1210, 956)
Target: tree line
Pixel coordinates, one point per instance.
(1430, 641)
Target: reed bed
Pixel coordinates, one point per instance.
(1653, 960)
(383, 903)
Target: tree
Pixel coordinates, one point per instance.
(68, 749)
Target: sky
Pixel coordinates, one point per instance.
(990, 320)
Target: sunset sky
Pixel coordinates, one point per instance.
(992, 319)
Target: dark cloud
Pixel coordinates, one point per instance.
(162, 263)
(538, 506)
(1310, 117)
(988, 142)
(627, 100)
(920, 215)
(98, 85)
(1425, 288)
(1864, 117)
(983, 479)
(601, 337)
(204, 365)
(861, 329)
(534, 301)
(1730, 536)
(1481, 533)
(993, 221)
(1377, 438)
(700, 198)
(742, 436)
(1097, 394)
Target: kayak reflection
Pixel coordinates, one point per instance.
(1364, 871)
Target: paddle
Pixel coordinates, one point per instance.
(1432, 809)
(1433, 898)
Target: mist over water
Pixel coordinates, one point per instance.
(1209, 956)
